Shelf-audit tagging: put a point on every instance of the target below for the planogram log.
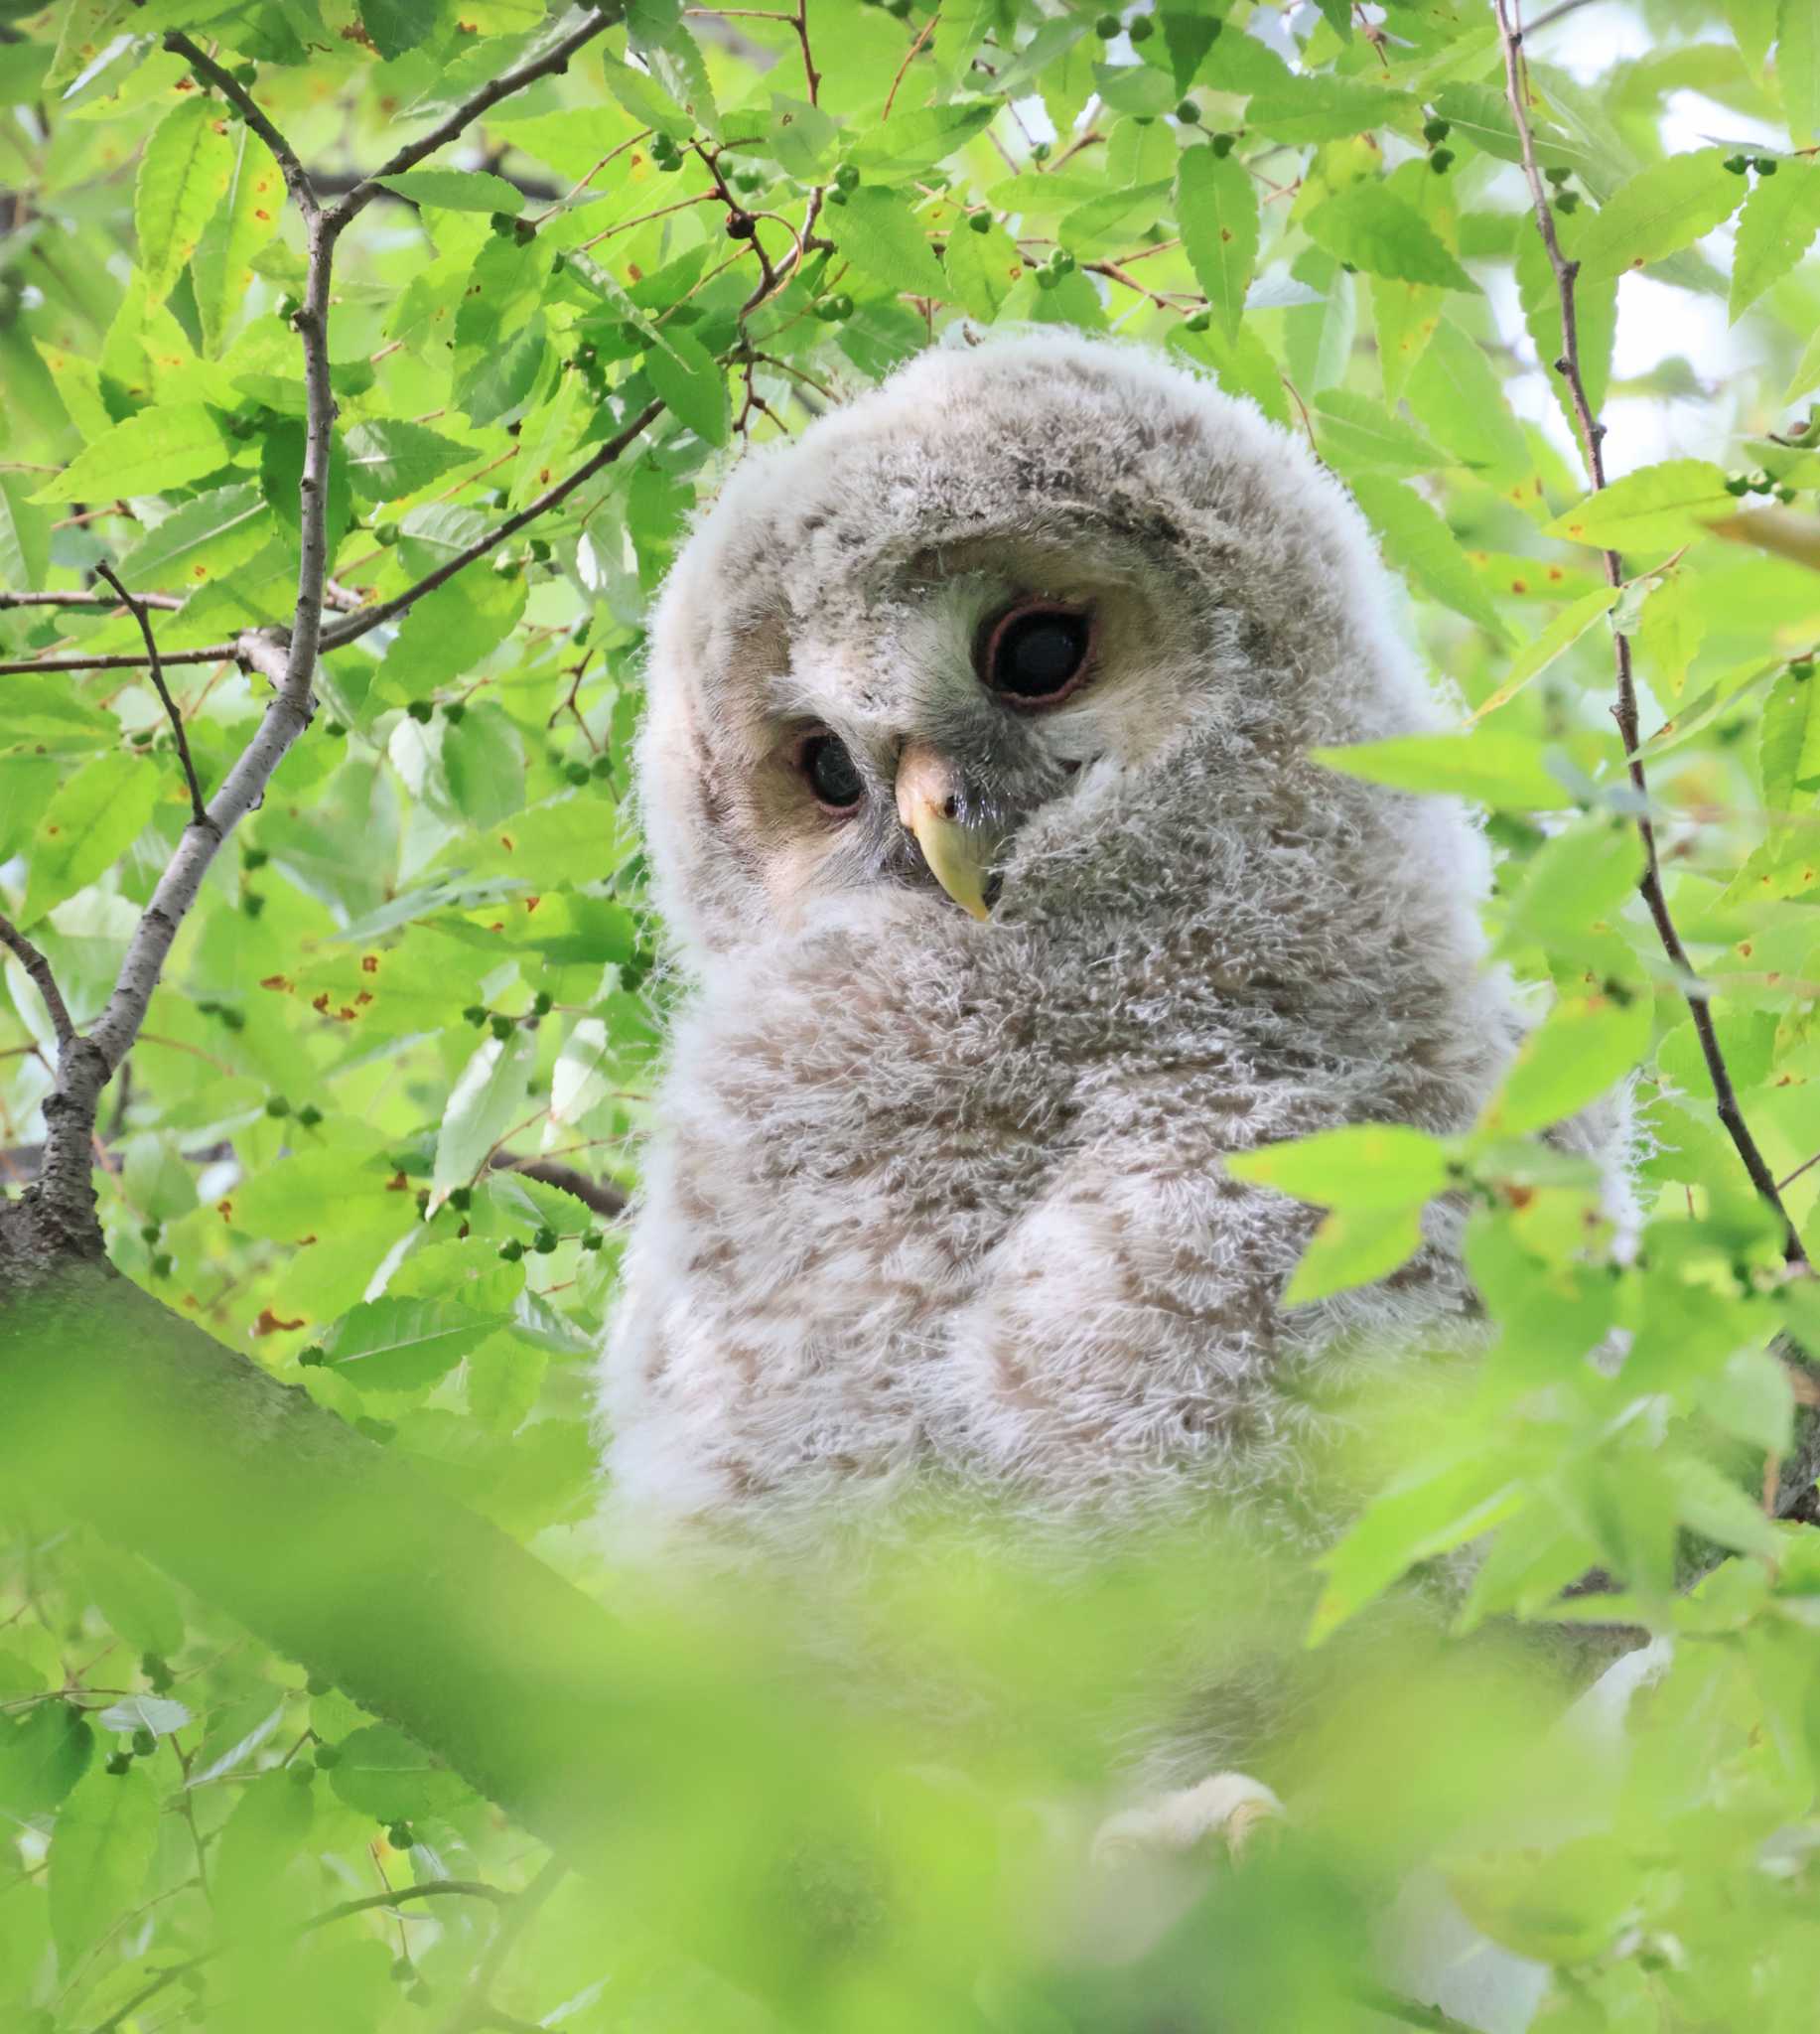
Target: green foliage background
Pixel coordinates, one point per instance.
(428, 948)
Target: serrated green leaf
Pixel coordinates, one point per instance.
(91, 820)
(983, 269)
(405, 1344)
(645, 98)
(1112, 219)
(1670, 634)
(400, 26)
(1575, 879)
(912, 141)
(1455, 391)
(221, 268)
(1356, 1244)
(1316, 106)
(1363, 1165)
(1353, 431)
(448, 632)
(199, 540)
(1216, 205)
(694, 385)
(1789, 739)
(1418, 542)
(1798, 68)
(486, 1102)
(1541, 651)
(85, 29)
(47, 713)
(458, 190)
(25, 539)
(102, 1850)
(1371, 228)
(388, 457)
(1505, 770)
(878, 233)
(1188, 35)
(42, 1755)
(1780, 217)
(156, 450)
(1661, 209)
(184, 175)
(1580, 1051)
(383, 1774)
(1650, 509)
(483, 765)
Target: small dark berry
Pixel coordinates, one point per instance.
(421, 710)
(837, 195)
(1783, 493)
(502, 222)
(1568, 200)
(455, 713)
(327, 1756)
(847, 177)
(246, 73)
(1200, 321)
(1141, 28)
(460, 1199)
(542, 1003)
(145, 1743)
(163, 1264)
(1222, 143)
(151, 1233)
(476, 1015)
(1040, 152)
(1436, 129)
(253, 857)
(1188, 113)
(511, 1250)
(399, 1836)
(601, 768)
(843, 304)
(740, 225)
(157, 1671)
(1737, 164)
(592, 1239)
(119, 1763)
(1061, 261)
(1441, 161)
(1801, 669)
(979, 221)
(1766, 165)
(502, 1028)
(1107, 26)
(313, 1357)
(308, 1116)
(576, 772)
(1738, 484)
(544, 1241)
(386, 533)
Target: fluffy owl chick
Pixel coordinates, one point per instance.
(979, 808)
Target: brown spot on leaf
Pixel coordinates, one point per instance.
(369, 963)
(268, 1323)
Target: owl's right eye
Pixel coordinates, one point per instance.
(831, 773)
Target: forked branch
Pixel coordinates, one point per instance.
(1624, 706)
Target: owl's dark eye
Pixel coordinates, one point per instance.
(1035, 656)
(832, 773)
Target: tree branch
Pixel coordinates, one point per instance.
(555, 59)
(213, 653)
(38, 969)
(86, 598)
(1624, 710)
(137, 608)
(355, 625)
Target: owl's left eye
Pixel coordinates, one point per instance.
(1036, 655)
(827, 764)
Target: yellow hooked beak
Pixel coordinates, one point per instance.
(928, 800)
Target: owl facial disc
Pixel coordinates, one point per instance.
(929, 803)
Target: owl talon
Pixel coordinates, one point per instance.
(1231, 1805)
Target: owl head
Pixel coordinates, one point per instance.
(935, 628)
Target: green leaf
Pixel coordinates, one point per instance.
(458, 190)
(1661, 209)
(264, 1838)
(494, 381)
(1418, 542)
(389, 458)
(1482, 116)
(487, 1102)
(801, 137)
(383, 1774)
(1780, 217)
(1368, 225)
(482, 763)
(400, 26)
(645, 100)
(1455, 391)
(42, 1757)
(184, 175)
(694, 385)
(102, 1850)
(1540, 652)
(1430, 1514)
(1798, 69)
(1216, 205)
(221, 268)
(86, 27)
(1649, 510)
(25, 539)
(449, 631)
(1789, 739)
(1356, 1244)
(1580, 1051)
(1116, 218)
(46, 713)
(983, 270)
(878, 233)
(405, 1344)
(912, 141)
(91, 820)
(1576, 878)
(1671, 630)
(1319, 106)
(199, 540)
(1188, 36)
(281, 465)
(1363, 1165)
(1353, 431)
(1709, 1504)
(157, 450)
(1505, 770)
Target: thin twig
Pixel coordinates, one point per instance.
(213, 653)
(929, 28)
(554, 60)
(38, 969)
(86, 598)
(477, 2003)
(136, 607)
(1554, 14)
(1625, 709)
(354, 626)
(799, 21)
(396, 1896)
